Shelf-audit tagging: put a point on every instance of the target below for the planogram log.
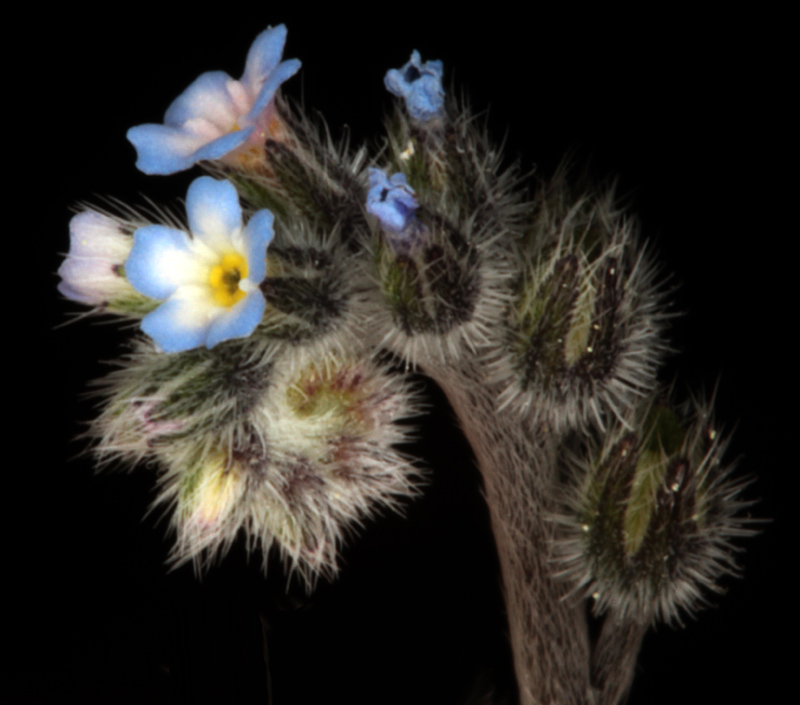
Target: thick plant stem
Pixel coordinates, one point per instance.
(549, 633)
(614, 656)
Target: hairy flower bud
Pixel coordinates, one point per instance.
(583, 325)
(654, 516)
(93, 271)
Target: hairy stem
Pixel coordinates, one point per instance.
(614, 656)
(549, 634)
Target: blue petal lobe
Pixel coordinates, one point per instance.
(214, 213)
(282, 73)
(178, 324)
(206, 97)
(257, 236)
(163, 150)
(265, 54)
(221, 146)
(160, 261)
(426, 99)
(239, 321)
(395, 83)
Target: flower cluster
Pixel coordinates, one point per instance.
(206, 280)
(201, 287)
(217, 117)
(537, 315)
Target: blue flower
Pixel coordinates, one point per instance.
(391, 200)
(92, 272)
(209, 280)
(217, 117)
(421, 87)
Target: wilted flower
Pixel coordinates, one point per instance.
(92, 272)
(218, 117)
(421, 87)
(209, 279)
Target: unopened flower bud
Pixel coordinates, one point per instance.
(92, 273)
(655, 514)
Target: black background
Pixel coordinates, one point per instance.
(687, 111)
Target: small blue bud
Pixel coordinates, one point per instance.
(421, 87)
(391, 200)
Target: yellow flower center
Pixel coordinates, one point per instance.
(225, 277)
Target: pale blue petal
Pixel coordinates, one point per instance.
(257, 236)
(426, 100)
(395, 83)
(198, 125)
(207, 97)
(163, 150)
(180, 323)
(221, 146)
(161, 260)
(214, 212)
(239, 321)
(264, 55)
(282, 73)
(377, 179)
(435, 68)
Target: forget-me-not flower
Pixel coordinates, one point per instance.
(209, 280)
(218, 117)
(421, 87)
(391, 200)
(92, 272)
